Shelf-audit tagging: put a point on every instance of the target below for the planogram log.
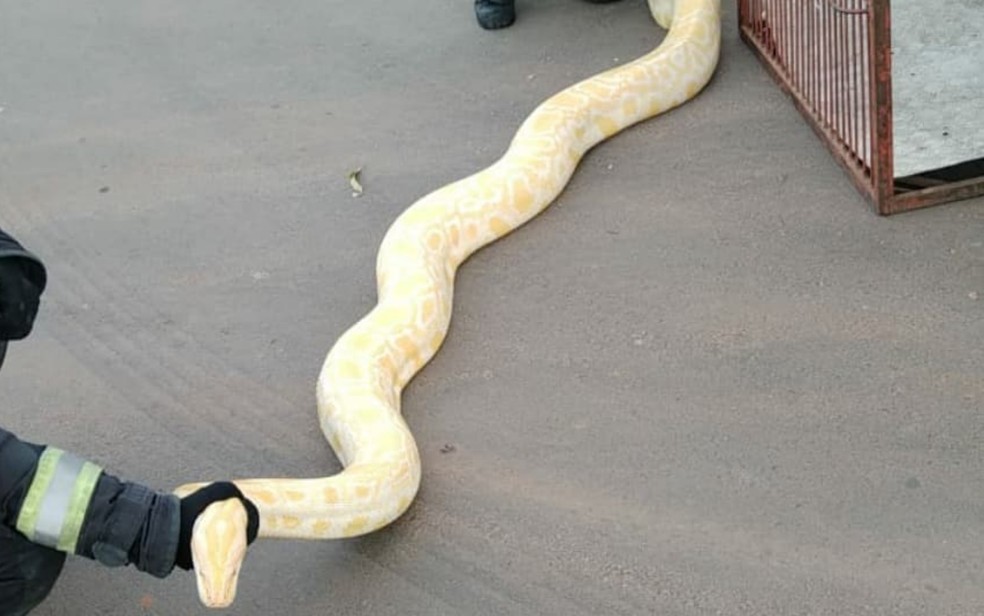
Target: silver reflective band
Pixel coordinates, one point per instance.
(55, 505)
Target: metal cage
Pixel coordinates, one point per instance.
(834, 58)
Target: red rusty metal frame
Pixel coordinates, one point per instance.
(834, 59)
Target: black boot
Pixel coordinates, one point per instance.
(495, 14)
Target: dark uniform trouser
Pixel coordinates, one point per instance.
(28, 572)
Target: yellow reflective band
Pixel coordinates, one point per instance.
(31, 508)
(55, 506)
(85, 485)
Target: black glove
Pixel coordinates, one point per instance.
(19, 299)
(195, 503)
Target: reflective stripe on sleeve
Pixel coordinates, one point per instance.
(55, 505)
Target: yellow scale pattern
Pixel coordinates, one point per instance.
(360, 384)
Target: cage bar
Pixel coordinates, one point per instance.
(834, 59)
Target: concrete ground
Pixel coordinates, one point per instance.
(708, 380)
(937, 83)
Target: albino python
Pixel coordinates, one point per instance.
(361, 380)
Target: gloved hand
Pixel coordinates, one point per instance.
(195, 503)
(19, 300)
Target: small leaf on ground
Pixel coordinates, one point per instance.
(353, 178)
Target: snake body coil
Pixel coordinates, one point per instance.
(360, 384)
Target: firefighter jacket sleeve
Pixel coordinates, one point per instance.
(61, 501)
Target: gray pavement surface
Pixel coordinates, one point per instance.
(708, 380)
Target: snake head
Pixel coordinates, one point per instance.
(218, 548)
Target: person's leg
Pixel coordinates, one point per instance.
(27, 573)
(495, 14)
